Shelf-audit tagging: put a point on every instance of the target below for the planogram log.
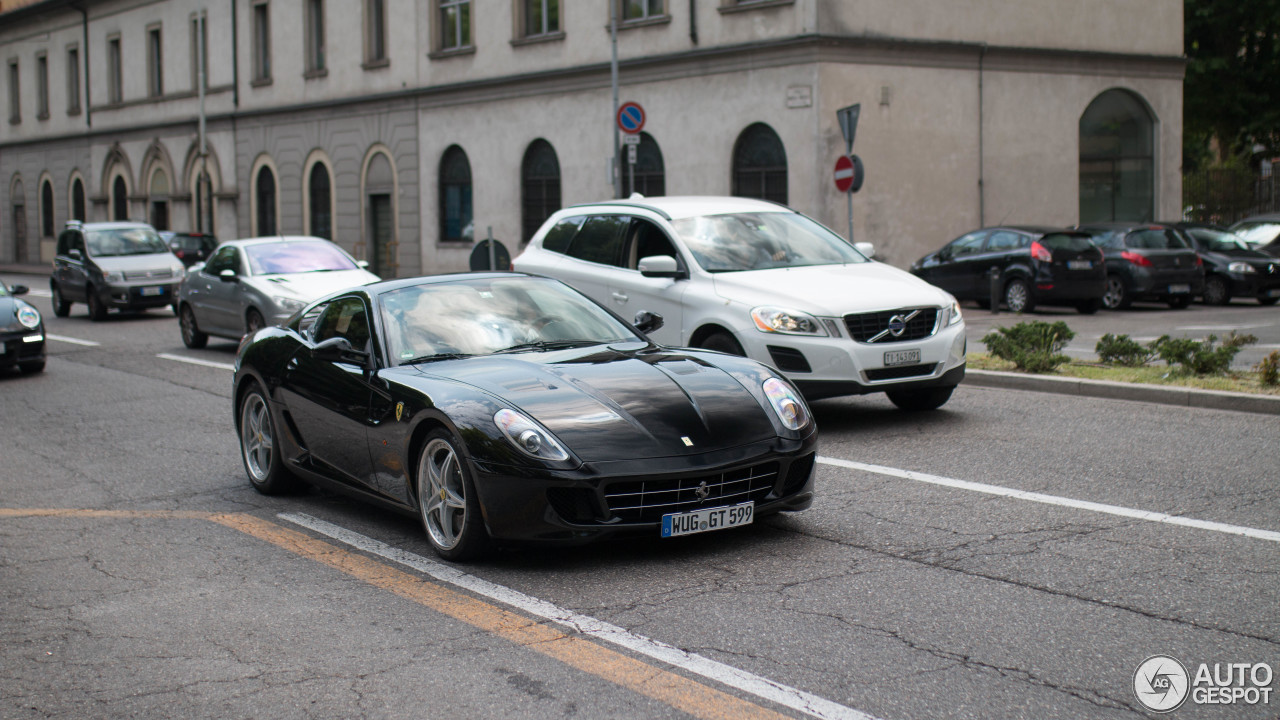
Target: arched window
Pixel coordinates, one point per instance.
(46, 209)
(319, 201)
(265, 192)
(455, 196)
(539, 186)
(119, 199)
(159, 200)
(78, 210)
(1117, 163)
(649, 174)
(760, 165)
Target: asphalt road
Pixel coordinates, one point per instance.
(1014, 555)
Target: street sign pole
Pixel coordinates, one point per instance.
(848, 117)
(616, 175)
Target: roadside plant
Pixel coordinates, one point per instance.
(1031, 346)
(1269, 369)
(1121, 350)
(1202, 357)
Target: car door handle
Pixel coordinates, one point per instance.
(620, 297)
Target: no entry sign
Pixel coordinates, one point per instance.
(630, 117)
(848, 173)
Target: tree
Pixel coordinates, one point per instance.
(1232, 88)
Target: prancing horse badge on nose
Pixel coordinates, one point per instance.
(399, 410)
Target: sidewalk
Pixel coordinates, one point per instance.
(45, 269)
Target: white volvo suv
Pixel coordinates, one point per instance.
(754, 278)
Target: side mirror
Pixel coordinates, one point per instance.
(75, 254)
(362, 264)
(646, 322)
(228, 275)
(19, 289)
(660, 266)
(339, 349)
(865, 248)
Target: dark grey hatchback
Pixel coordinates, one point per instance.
(1033, 266)
(1147, 261)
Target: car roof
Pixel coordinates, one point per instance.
(244, 242)
(116, 225)
(1038, 229)
(686, 206)
(1131, 225)
(1266, 217)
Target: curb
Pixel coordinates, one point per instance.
(1163, 395)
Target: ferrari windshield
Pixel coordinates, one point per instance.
(282, 258)
(124, 241)
(757, 241)
(483, 316)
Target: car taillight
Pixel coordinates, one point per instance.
(1199, 261)
(1041, 253)
(1136, 259)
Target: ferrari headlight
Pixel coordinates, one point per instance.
(789, 407)
(786, 322)
(29, 317)
(954, 315)
(288, 304)
(530, 438)
(1241, 267)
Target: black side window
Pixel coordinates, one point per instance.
(968, 244)
(558, 237)
(648, 240)
(1003, 241)
(600, 240)
(225, 259)
(344, 317)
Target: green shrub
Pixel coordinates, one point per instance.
(1034, 347)
(1202, 357)
(1120, 350)
(1269, 369)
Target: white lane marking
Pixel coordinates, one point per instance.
(726, 674)
(1147, 515)
(197, 361)
(73, 341)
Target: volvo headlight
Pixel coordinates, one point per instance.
(789, 407)
(289, 305)
(954, 315)
(29, 317)
(530, 438)
(786, 322)
(1241, 267)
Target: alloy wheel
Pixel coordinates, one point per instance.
(442, 493)
(256, 441)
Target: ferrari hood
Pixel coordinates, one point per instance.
(830, 290)
(607, 404)
(311, 285)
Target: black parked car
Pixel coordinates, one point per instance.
(21, 331)
(1147, 261)
(510, 406)
(1261, 232)
(1231, 268)
(1036, 265)
(190, 247)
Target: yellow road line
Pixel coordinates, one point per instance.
(681, 693)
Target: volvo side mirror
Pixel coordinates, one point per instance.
(660, 266)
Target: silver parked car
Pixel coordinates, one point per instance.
(107, 265)
(248, 284)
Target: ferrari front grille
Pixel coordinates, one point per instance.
(649, 500)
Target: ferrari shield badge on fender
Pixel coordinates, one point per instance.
(399, 410)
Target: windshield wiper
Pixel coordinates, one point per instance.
(436, 356)
(547, 345)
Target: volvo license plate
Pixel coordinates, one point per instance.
(677, 524)
(901, 357)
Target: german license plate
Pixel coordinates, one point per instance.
(1179, 289)
(901, 357)
(1079, 264)
(149, 291)
(677, 524)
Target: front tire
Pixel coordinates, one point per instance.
(1216, 291)
(1088, 307)
(447, 502)
(31, 367)
(61, 307)
(259, 448)
(1017, 295)
(1180, 303)
(921, 400)
(253, 322)
(97, 311)
(1117, 295)
(191, 335)
(722, 342)
(1267, 301)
